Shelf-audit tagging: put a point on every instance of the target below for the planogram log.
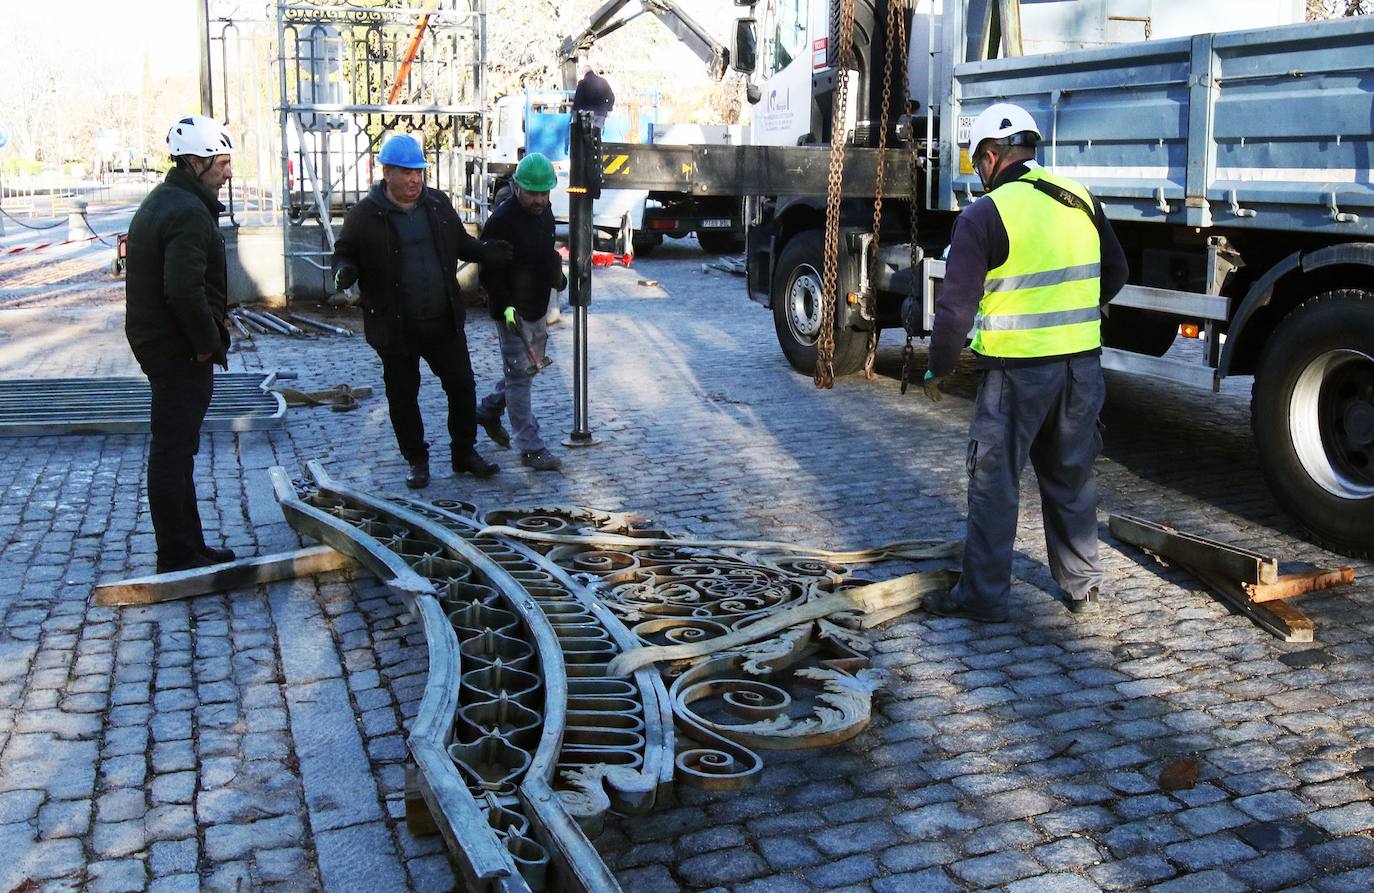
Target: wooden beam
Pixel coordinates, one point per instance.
(1198, 553)
(240, 574)
(1279, 617)
(1290, 585)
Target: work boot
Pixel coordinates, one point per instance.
(219, 556)
(492, 425)
(184, 564)
(470, 461)
(1087, 603)
(419, 474)
(944, 604)
(540, 460)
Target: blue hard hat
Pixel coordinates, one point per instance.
(403, 151)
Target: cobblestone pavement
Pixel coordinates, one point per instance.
(254, 741)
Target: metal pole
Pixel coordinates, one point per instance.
(580, 237)
(207, 91)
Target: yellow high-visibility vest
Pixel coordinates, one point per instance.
(1043, 301)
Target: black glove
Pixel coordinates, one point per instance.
(345, 276)
(931, 385)
(496, 251)
(562, 283)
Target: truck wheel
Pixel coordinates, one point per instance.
(1312, 410)
(645, 243)
(1129, 328)
(720, 242)
(797, 309)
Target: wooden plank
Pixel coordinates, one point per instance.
(241, 574)
(1279, 617)
(1290, 585)
(1198, 553)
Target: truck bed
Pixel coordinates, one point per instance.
(1263, 129)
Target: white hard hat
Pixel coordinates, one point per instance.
(999, 121)
(199, 135)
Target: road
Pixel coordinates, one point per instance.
(161, 748)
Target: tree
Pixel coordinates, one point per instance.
(1333, 9)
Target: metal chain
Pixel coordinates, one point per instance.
(895, 51)
(825, 338)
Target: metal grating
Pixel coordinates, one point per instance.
(242, 401)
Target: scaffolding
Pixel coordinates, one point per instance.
(348, 76)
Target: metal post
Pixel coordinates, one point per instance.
(580, 238)
(207, 92)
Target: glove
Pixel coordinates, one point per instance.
(344, 277)
(931, 385)
(562, 283)
(496, 251)
(510, 318)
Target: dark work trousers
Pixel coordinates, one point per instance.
(181, 392)
(446, 352)
(1047, 413)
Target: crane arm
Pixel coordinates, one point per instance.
(613, 15)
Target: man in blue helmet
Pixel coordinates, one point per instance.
(402, 244)
(518, 298)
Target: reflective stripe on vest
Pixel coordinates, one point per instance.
(1043, 300)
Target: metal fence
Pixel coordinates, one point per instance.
(311, 90)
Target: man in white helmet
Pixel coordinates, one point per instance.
(176, 290)
(1030, 264)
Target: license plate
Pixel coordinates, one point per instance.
(715, 223)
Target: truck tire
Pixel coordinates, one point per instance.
(1312, 410)
(1129, 328)
(645, 243)
(720, 242)
(797, 309)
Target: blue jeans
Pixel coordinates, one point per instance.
(512, 393)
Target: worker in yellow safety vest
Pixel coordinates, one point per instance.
(1029, 266)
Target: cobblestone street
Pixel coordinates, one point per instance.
(255, 740)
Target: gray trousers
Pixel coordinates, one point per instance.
(1047, 413)
(512, 393)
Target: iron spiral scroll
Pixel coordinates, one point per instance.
(528, 733)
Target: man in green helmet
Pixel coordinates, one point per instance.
(518, 298)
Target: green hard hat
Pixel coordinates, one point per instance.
(535, 173)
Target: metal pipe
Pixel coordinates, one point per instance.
(337, 330)
(253, 324)
(273, 318)
(580, 238)
(278, 327)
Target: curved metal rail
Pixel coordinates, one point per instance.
(529, 731)
(522, 743)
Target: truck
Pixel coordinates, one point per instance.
(537, 121)
(716, 219)
(1235, 166)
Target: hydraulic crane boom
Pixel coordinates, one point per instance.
(612, 16)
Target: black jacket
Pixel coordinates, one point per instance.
(979, 243)
(367, 243)
(176, 286)
(593, 94)
(534, 268)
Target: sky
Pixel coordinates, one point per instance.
(113, 30)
